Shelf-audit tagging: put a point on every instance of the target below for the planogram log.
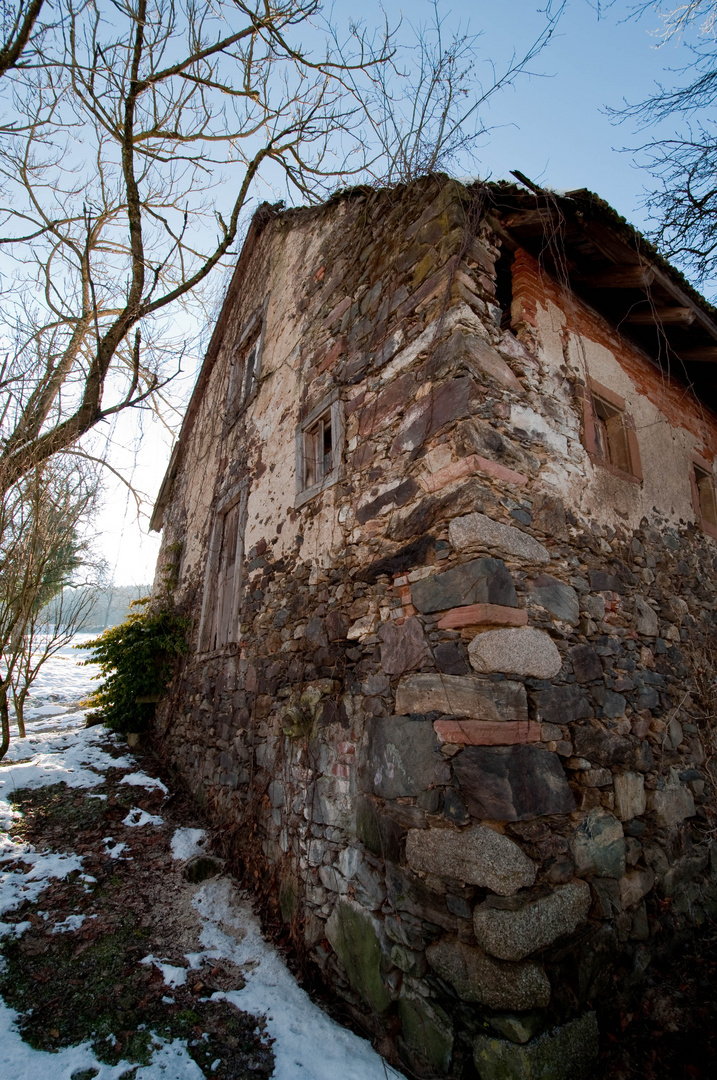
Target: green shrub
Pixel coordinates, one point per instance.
(137, 661)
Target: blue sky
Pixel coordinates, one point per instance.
(552, 126)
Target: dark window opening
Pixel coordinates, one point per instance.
(706, 495)
(611, 437)
(504, 288)
(318, 451)
(242, 378)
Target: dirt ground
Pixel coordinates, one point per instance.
(86, 984)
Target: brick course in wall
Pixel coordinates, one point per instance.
(463, 738)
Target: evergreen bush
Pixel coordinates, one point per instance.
(137, 660)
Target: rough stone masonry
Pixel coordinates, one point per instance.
(444, 533)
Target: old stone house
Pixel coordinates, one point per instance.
(442, 511)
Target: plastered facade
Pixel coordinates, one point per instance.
(460, 736)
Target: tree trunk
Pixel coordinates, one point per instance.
(5, 722)
(19, 702)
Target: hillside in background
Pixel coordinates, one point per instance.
(105, 607)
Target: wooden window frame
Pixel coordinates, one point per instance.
(239, 395)
(590, 439)
(699, 463)
(330, 407)
(209, 626)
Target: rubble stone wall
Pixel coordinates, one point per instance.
(465, 739)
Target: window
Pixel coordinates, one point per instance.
(609, 433)
(319, 444)
(704, 499)
(245, 365)
(222, 582)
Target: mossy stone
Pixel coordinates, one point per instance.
(564, 1053)
(356, 938)
(426, 1034)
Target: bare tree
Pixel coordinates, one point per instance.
(683, 165)
(137, 136)
(18, 23)
(48, 630)
(41, 549)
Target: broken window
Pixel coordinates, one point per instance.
(609, 432)
(703, 495)
(245, 366)
(319, 446)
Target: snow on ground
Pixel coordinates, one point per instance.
(186, 843)
(58, 748)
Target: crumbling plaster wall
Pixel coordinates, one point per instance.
(576, 344)
(463, 742)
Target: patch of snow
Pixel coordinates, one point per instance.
(187, 843)
(72, 922)
(140, 779)
(299, 1027)
(36, 868)
(172, 975)
(113, 848)
(74, 758)
(18, 1060)
(45, 710)
(137, 818)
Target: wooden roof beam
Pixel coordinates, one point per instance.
(666, 316)
(619, 277)
(700, 354)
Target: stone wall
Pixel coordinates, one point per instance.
(465, 739)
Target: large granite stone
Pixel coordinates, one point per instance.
(562, 705)
(404, 757)
(520, 651)
(480, 581)
(630, 799)
(357, 939)
(569, 1052)
(586, 663)
(514, 927)
(479, 978)
(476, 856)
(598, 845)
(559, 599)
(512, 783)
(462, 695)
(403, 648)
(478, 530)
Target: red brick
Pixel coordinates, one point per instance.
(487, 732)
(481, 615)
